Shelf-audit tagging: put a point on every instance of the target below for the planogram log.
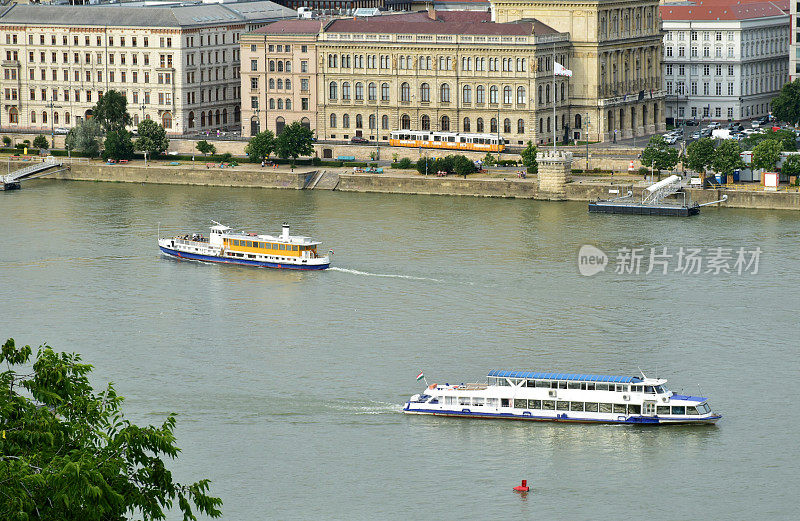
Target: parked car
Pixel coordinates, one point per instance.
(671, 139)
(691, 123)
(358, 139)
(696, 135)
(713, 125)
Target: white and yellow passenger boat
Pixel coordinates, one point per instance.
(267, 251)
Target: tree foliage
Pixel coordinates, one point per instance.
(85, 137)
(659, 155)
(40, 142)
(295, 140)
(727, 157)
(118, 145)
(152, 138)
(68, 453)
(529, 158)
(791, 166)
(261, 145)
(453, 164)
(766, 154)
(787, 138)
(111, 111)
(204, 147)
(786, 106)
(700, 154)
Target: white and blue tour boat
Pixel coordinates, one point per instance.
(266, 251)
(522, 395)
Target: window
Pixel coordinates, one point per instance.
(253, 64)
(520, 126)
(425, 92)
(445, 93)
(507, 126)
(479, 125)
(466, 96)
(384, 122)
(332, 121)
(332, 90)
(359, 91)
(493, 94)
(521, 96)
(426, 122)
(605, 407)
(466, 125)
(445, 125)
(405, 92)
(346, 121)
(479, 94)
(384, 92)
(372, 92)
(507, 95)
(346, 90)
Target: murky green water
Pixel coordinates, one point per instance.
(288, 385)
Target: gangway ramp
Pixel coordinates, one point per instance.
(11, 181)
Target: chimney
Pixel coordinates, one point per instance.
(431, 11)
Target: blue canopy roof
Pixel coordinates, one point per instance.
(566, 376)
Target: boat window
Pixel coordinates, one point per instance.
(477, 402)
(590, 406)
(602, 387)
(575, 406)
(634, 409)
(692, 410)
(662, 409)
(548, 405)
(562, 406)
(554, 385)
(704, 408)
(491, 380)
(622, 388)
(619, 408)
(660, 389)
(562, 385)
(492, 402)
(583, 385)
(636, 388)
(648, 389)
(590, 386)
(531, 383)
(503, 382)
(504, 402)
(449, 400)
(520, 404)
(678, 409)
(605, 407)
(574, 385)
(542, 383)
(534, 404)
(463, 400)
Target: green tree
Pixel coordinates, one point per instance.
(463, 166)
(40, 142)
(529, 158)
(727, 157)
(787, 138)
(111, 111)
(295, 140)
(6, 141)
(118, 145)
(68, 453)
(425, 165)
(791, 167)
(152, 138)
(766, 154)
(204, 147)
(786, 106)
(700, 154)
(489, 160)
(659, 155)
(261, 145)
(85, 137)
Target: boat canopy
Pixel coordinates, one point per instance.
(530, 375)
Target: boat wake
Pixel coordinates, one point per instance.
(368, 407)
(385, 275)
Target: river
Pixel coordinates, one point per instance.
(288, 385)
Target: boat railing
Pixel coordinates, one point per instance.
(190, 242)
(471, 387)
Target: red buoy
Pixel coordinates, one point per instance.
(524, 487)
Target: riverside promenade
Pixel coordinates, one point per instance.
(495, 183)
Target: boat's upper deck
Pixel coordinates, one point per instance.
(298, 240)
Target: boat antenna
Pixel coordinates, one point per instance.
(159, 229)
(215, 222)
(641, 372)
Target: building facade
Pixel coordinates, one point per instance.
(794, 43)
(452, 71)
(178, 65)
(724, 62)
(617, 50)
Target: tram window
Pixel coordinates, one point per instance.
(619, 408)
(562, 406)
(249, 244)
(236, 243)
(534, 404)
(451, 139)
(634, 409)
(692, 410)
(548, 405)
(574, 385)
(575, 406)
(463, 140)
(282, 246)
(605, 407)
(562, 385)
(520, 404)
(591, 407)
(662, 409)
(542, 383)
(678, 409)
(294, 248)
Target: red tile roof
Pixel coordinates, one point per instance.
(724, 10)
(291, 27)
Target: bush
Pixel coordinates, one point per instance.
(507, 162)
(41, 142)
(227, 156)
(405, 163)
(7, 141)
(643, 171)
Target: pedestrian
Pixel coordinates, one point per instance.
(262, 163)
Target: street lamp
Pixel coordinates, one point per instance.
(52, 106)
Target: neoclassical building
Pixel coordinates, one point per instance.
(616, 59)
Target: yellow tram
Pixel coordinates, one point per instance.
(448, 140)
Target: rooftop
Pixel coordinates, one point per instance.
(706, 10)
(566, 376)
(291, 27)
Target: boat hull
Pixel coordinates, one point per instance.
(626, 420)
(242, 262)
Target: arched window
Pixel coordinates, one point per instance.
(371, 121)
(445, 126)
(224, 116)
(548, 124)
(520, 126)
(288, 84)
(272, 103)
(66, 118)
(203, 119)
(493, 125)
(507, 126)
(13, 115)
(493, 94)
(332, 92)
(136, 119)
(425, 92)
(44, 117)
(237, 114)
(372, 92)
(255, 125)
(288, 104)
(345, 120)
(191, 119)
(288, 67)
(479, 94)
(578, 121)
(346, 90)
(359, 121)
(384, 122)
(272, 83)
(405, 122)
(384, 92)
(466, 125)
(479, 125)
(55, 118)
(541, 125)
(216, 117)
(521, 96)
(507, 95)
(306, 123)
(280, 83)
(547, 93)
(280, 124)
(166, 120)
(333, 121)
(466, 96)
(280, 103)
(540, 94)
(562, 91)
(426, 122)
(272, 66)
(445, 93)
(405, 92)
(33, 117)
(359, 91)
(280, 66)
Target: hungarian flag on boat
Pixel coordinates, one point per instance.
(420, 376)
